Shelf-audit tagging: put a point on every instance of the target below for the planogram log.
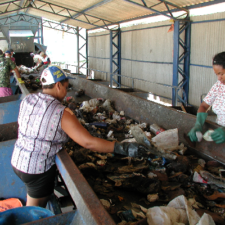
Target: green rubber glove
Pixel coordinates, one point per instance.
(201, 117)
(218, 135)
(130, 149)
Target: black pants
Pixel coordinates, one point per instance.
(38, 185)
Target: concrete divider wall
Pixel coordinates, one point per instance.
(147, 111)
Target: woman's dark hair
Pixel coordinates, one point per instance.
(50, 86)
(219, 59)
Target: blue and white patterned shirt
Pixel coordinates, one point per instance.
(40, 135)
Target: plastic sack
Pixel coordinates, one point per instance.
(178, 211)
(26, 70)
(140, 136)
(107, 105)
(86, 107)
(165, 215)
(94, 102)
(167, 140)
(206, 219)
(23, 215)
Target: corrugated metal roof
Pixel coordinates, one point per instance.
(94, 13)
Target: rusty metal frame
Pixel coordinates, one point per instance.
(88, 204)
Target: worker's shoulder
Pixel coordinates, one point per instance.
(9, 60)
(2, 59)
(4, 62)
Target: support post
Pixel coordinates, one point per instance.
(82, 49)
(175, 61)
(78, 55)
(181, 61)
(115, 55)
(87, 74)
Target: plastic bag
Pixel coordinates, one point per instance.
(178, 211)
(167, 140)
(140, 136)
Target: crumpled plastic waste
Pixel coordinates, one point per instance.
(178, 211)
(107, 106)
(198, 179)
(105, 203)
(26, 70)
(152, 197)
(90, 106)
(116, 116)
(167, 140)
(212, 179)
(140, 136)
(154, 128)
(168, 173)
(207, 135)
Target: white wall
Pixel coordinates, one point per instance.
(141, 48)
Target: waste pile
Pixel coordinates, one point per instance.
(32, 82)
(167, 186)
(27, 70)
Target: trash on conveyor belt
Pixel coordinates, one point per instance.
(167, 186)
(27, 70)
(32, 82)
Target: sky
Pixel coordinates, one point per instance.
(61, 46)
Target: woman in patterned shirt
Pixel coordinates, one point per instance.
(216, 99)
(44, 126)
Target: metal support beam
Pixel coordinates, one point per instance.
(87, 52)
(115, 55)
(78, 55)
(167, 13)
(82, 49)
(66, 12)
(181, 61)
(39, 34)
(37, 20)
(89, 8)
(14, 6)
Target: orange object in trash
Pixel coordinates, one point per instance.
(10, 204)
(120, 198)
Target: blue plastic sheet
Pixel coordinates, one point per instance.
(23, 215)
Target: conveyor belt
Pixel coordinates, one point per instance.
(89, 209)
